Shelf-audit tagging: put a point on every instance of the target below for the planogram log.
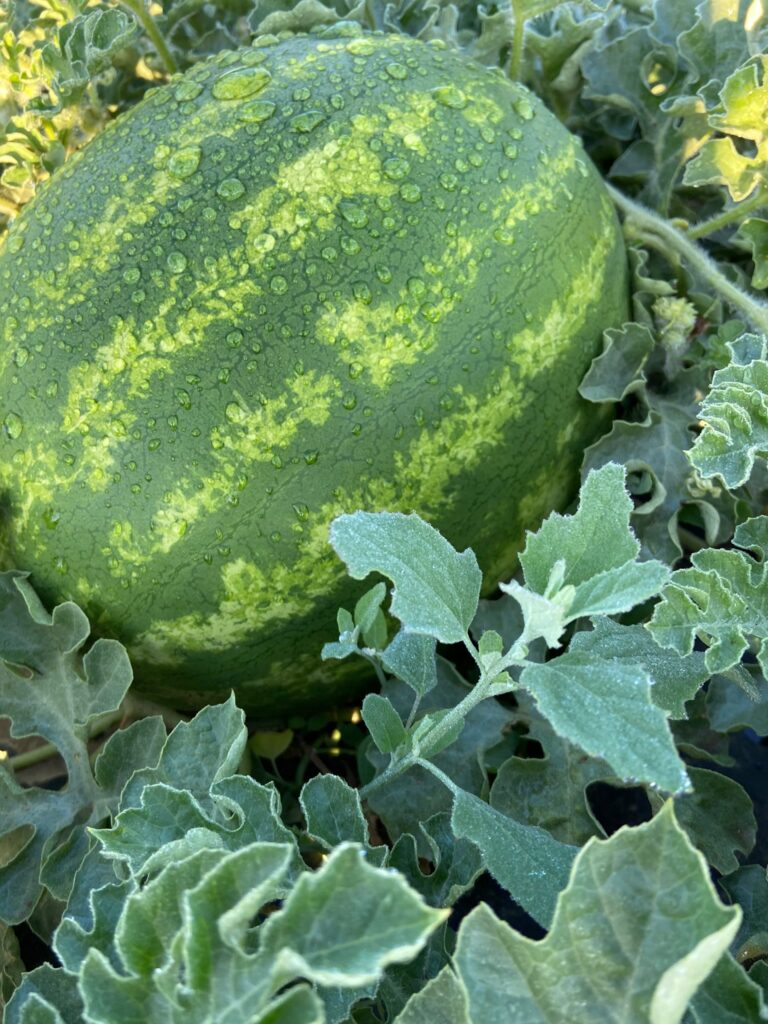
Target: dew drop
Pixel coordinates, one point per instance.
(234, 412)
(235, 338)
(278, 285)
(131, 275)
(230, 188)
(355, 370)
(20, 356)
(450, 96)
(383, 273)
(360, 48)
(185, 162)
(410, 192)
(241, 83)
(416, 287)
(183, 398)
(308, 121)
(524, 108)
(349, 401)
(362, 292)
(353, 214)
(301, 511)
(396, 168)
(256, 111)
(398, 71)
(187, 91)
(51, 518)
(177, 262)
(350, 245)
(504, 235)
(311, 456)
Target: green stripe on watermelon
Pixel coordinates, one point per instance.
(338, 287)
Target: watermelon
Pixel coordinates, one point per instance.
(328, 272)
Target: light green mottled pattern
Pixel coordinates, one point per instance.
(314, 286)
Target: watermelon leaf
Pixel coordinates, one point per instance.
(605, 707)
(615, 958)
(436, 589)
(585, 564)
(735, 415)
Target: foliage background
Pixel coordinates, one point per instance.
(284, 835)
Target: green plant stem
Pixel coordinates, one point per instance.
(439, 774)
(659, 234)
(132, 707)
(518, 38)
(480, 691)
(722, 220)
(148, 24)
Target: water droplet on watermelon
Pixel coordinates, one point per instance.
(337, 101)
(410, 192)
(396, 168)
(383, 273)
(15, 244)
(154, 443)
(504, 235)
(235, 338)
(450, 96)
(350, 245)
(308, 121)
(256, 111)
(353, 214)
(398, 71)
(20, 356)
(183, 398)
(301, 511)
(430, 312)
(362, 292)
(187, 91)
(241, 83)
(355, 370)
(581, 167)
(13, 425)
(61, 566)
(51, 518)
(177, 262)
(416, 287)
(234, 412)
(131, 275)
(524, 108)
(185, 162)
(449, 182)
(349, 401)
(278, 285)
(253, 57)
(360, 48)
(277, 462)
(510, 150)
(230, 188)
(311, 456)
(330, 254)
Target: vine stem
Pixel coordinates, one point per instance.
(518, 38)
(132, 707)
(440, 730)
(148, 24)
(659, 234)
(722, 220)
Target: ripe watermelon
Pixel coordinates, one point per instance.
(319, 274)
